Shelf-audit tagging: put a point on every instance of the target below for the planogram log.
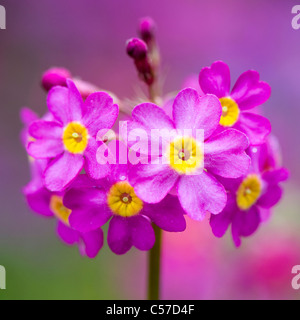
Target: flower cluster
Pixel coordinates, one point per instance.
(202, 152)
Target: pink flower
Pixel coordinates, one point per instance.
(247, 93)
(49, 204)
(251, 197)
(94, 203)
(223, 154)
(69, 141)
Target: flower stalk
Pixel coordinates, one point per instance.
(154, 266)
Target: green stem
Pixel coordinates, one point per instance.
(154, 266)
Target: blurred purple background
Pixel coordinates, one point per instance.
(88, 37)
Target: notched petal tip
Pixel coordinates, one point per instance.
(215, 79)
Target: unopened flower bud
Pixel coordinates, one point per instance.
(147, 29)
(136, 49)
(55, 77)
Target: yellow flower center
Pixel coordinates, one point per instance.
(59, 210)
(230, 112)
(123, 201)
(75, 137)
(248, 192)
(185, 155)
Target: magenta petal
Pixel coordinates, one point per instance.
(93, 242)
(265, 214)
(152, 182)
(168, 106)
(270, 156)
(62, 171)
(147, 117)
(225, 155)
(84, 198)
(215, 79)
(245, 223)
(271, 197)
(66, 234)
(255, 126)
(46, 130)
(150, 116)
(168, 214)
(45, 148)
(142, 233)
(249, 92)
(119, 172)
(28, 116)
(90, 218)
(49, 139)
(100, 112)
(65, 103)
(119, 235)
(93, 168)
(89, 208)
(275, 176)
(219, 223)
(190, 111)
(201, 193)
(83, 181)
(39, 201)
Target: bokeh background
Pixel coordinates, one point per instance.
(88, 37)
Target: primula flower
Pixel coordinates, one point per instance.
(49, 204)
(247, 93)
(70, 140)
(94, 203)
(251, 197)
(192, 165)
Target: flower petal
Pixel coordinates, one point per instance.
(150, 116)
(219, 223)
(93, 242)
(65, 103)
(39, 200)
(168, 214)
(41, 129)
(49, 139)
(89, 208)
(62, 171)
(28, 116)
(142, 233)
(100, 112)
(45, 148)
(255, 126)
(147, 122)
(93, 168)
(201, 193)
(215, 79)
(190, 111)
(224, 154)
(249, 92)
(271, 197)
(90, 218)
(245, 223)
(83, 181)
(152, 182)
(265, 214)
(84, 197)
(66, 234)
(275, 176)
(119, 235)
